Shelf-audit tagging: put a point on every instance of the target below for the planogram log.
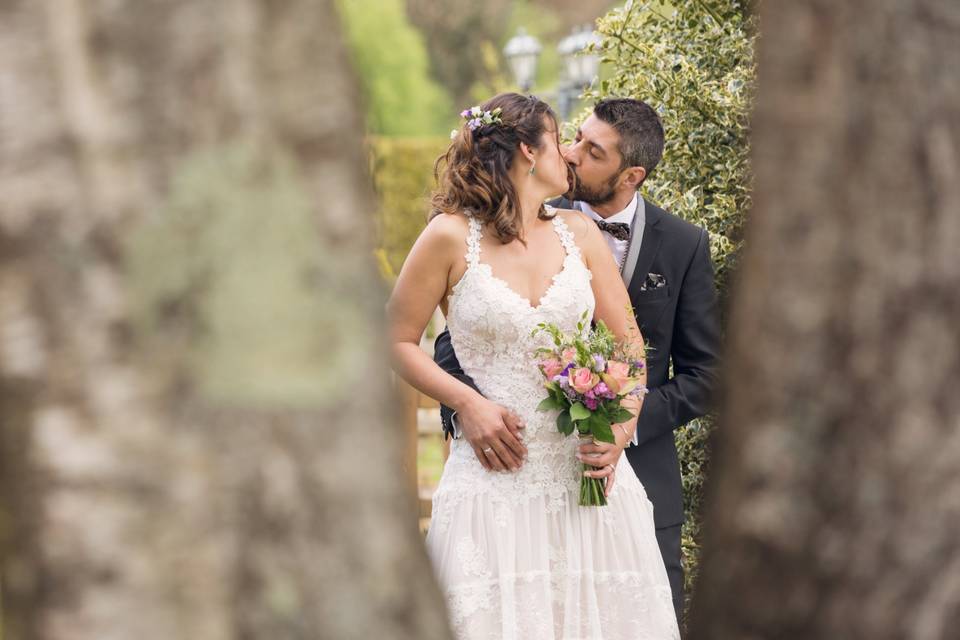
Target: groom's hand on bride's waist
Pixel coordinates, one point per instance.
(494, 432)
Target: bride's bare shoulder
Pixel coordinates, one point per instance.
(447, 227)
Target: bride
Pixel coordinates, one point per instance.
(515, 554)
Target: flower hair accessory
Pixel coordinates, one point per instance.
(477, 117)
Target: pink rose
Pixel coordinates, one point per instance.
(568, 355)
(551, 367)
(582, 379)
(617, 375)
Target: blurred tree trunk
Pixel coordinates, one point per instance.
(834, 510)
(197, 437)
(455, 32)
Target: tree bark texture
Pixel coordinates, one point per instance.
(834, 508)
(197, 435)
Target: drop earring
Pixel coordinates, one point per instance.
(533, 168)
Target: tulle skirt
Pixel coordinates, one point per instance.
(537, 566)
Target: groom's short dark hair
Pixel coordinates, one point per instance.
(640, 129)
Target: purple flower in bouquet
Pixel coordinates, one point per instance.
(568, 391)
(603, 391)
(590, 400)
(639, 391)
(599, 363)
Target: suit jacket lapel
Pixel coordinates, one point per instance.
(652, 237)
(633, 247)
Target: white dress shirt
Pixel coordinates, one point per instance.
(617, 249)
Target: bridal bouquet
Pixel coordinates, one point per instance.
(587, 375)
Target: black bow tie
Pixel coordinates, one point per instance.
(619, 230)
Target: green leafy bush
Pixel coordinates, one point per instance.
(694, 63)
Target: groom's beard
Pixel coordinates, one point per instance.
(594, 196)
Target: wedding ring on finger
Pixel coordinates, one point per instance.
(488, 450)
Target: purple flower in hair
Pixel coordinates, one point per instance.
(477, 117)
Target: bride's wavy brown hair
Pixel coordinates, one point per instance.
(474, 174)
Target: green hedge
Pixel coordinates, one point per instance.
(402, 170)
(694, 63)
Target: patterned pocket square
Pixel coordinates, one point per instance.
(653, 281)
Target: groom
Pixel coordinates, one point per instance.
(665, 264)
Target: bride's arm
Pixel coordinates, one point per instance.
(612, 300)
(614, 308)
(421, 286)
(435, 261)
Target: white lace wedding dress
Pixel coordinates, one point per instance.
(516, 555)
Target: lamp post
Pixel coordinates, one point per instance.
(522, 51)
(580, 66)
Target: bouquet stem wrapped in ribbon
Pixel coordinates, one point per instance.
(587, 376)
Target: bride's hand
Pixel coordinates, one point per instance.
(494, 432)
(605, 456)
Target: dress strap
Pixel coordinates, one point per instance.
(473, 241)
(566, 236)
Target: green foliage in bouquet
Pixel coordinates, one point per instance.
(597, 423)
(694, 63)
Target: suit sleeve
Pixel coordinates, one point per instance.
(694, 350)
(446, 357)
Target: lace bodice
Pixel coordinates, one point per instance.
(491, 328)
(491, 324)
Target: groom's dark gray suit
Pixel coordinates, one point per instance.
(674, 298)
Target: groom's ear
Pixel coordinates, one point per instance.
(634, 176)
